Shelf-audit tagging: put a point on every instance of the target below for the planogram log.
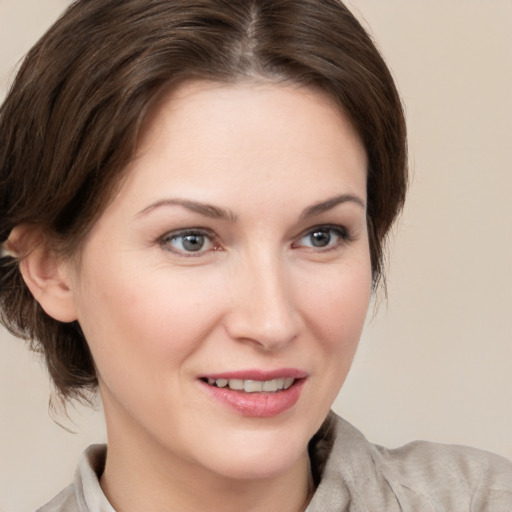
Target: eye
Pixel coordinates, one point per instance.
(323, 237)
(192, 242)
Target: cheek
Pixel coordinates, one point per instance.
(337, 304)
(336, 311)
(132, 315)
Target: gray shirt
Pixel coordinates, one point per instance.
(353, 475)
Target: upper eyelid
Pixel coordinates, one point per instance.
(164, 240)
(208, 232)
(188, 231)
(326, 227)
(342, 231)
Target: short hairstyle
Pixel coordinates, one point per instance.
(71, 121)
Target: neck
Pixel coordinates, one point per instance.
(186, 488)
(143, 476)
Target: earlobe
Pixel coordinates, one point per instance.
(44, 272)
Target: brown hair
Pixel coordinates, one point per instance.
(71, 120)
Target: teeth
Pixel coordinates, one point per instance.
(253, 386)
(236, 384)
(288, 382)
(270, 385)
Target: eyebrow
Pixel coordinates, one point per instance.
(208, 210)
(329, 204)
(216, 212)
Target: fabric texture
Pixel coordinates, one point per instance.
(353, 475)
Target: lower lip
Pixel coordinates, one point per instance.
(257, 405)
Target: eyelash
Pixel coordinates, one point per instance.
(339, 231)
(165, 241)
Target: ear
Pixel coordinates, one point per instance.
(46, 275)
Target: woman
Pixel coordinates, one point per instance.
(196, 230)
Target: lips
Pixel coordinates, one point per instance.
(256, 393)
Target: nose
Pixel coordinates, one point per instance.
(262, 310)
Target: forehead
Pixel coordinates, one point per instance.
(214, 139)
(245, 104)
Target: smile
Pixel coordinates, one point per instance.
(256, 393)
(253, 386)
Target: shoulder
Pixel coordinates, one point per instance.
(85, 493)
(450, 474)
(418, 477)
(64, 502)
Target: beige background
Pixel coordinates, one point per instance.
(435, 362)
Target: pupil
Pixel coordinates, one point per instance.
(320, 238)
(193, 242)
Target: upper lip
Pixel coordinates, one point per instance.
(261, 375)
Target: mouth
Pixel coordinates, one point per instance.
(252, 386)
(255, 393)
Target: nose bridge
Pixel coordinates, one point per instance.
(263, 309)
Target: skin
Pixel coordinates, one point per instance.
(257, 295)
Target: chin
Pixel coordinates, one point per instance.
(258, 468)
(257, 456)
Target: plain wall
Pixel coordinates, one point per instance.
(434, 362)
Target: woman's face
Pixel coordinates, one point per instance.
(234, 256)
